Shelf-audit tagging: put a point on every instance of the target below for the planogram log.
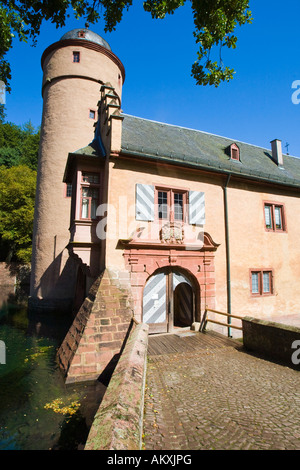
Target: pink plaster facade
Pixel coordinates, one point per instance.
(133, 251)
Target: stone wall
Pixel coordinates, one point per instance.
(273, 340)
(8, 276)
(13, 273)
(97, 334)
(14, 282)
(118, 422)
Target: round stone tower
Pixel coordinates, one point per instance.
(74, 68)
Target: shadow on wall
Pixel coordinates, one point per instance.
(56, 288)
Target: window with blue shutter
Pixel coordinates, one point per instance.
(196, 208)
(144, 206)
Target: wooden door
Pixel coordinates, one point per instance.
(155, 303)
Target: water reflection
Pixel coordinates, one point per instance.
(31, 378)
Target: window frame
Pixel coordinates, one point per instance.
(273, 205)
(76, 54)
(94, 114)
(89, 185)
(68, 186)
(235, 152)
(261, 272)
(171, 191)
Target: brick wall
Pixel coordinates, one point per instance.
(97, 334)
(118, 422)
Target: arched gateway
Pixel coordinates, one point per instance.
(169, 300)
(170, 285)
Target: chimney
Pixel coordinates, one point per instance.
(277, 152)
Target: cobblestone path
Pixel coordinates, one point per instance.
(219, 398)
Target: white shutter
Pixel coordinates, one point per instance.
(144, 203)
(155, 299)
(196, 208)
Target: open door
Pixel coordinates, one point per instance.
(168, 302)
(183, 305)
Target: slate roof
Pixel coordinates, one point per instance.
(152, 140)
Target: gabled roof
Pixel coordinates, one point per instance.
(167, 143)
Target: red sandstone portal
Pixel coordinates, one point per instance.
(156, 270)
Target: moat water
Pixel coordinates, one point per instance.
(38, 411)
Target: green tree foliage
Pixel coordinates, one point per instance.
(2, 113)
(17, 195)
(214, 20)
(18, 163)
(19, 145)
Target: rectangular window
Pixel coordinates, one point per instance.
(89, 203)
(278, 217)
(178, 206)
(163, 205)
(255, 283)
(76, 56)
(171, 204)
(261, 282)
(274, 217)
(68, 190)
(268, 217)
(92, 114)
(90, 185)
(266, 283)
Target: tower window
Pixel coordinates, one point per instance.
(76, 56)
(92, 114)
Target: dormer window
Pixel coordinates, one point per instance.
(234, 152)
(81, 34)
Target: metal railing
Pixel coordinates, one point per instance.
(205, 320)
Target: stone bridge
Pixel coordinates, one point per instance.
(197, 391)
(206, 392)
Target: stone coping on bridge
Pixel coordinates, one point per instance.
(276, 341)
(118, 422)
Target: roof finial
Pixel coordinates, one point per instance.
(87, 25)
(287, 148)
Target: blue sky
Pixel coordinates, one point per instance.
(255, 107)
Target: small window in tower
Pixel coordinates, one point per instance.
(92, 114)
(76, 56)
